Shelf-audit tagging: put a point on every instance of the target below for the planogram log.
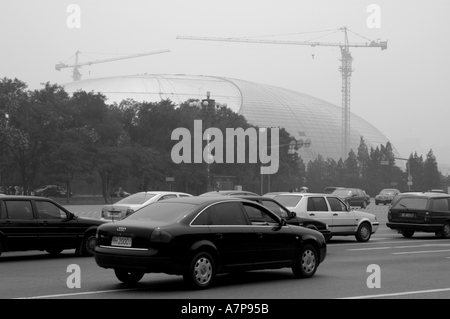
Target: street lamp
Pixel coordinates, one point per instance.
(408, 171)
(209, 106)
(294, 145)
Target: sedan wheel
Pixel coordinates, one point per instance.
(307, 263)
(201, 271)
(407, 233)
(128, 277)
(446, 231)
(89, 244)
(364, 232)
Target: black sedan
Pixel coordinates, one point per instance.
(37, 223)
(200, 237)
(291, 217)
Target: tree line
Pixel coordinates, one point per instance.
(50, 137)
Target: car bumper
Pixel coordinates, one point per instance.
(428, 228)
(142, 260)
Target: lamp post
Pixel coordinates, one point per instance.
(209, 106)
(408, 171)
(294, 145)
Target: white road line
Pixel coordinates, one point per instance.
(402, 247)
(420, 252)
(371, 242)
(399, 294)
(81, 293)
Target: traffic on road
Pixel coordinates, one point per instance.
(388, 266)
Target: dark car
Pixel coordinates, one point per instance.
(291, 217)
(420, 212)
(200, 237)
(229, 193)
(352, 196)
(386, 196)
(50, 191)
(37, 223)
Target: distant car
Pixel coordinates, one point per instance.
(291, 217)
(50, 191)
(200, 237)
(38, 223)
(228, 193)
(352, 196)
(330, 189)
(128, 205)
(386, 196)
(420, 212)
(332, 210)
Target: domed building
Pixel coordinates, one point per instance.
(303, 116)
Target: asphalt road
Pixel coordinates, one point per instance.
(387, 267)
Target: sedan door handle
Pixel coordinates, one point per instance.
(312, 214)
(219, 236)
(259, 235)
(335, 214)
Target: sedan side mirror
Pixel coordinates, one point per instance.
(293, 214)
(283, 222)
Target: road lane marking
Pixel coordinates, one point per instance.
(399, 294)
(371, 242)
(420, 252)
(401, 247)
(82, 293)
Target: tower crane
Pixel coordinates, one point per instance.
(76, 75)
(345, 69)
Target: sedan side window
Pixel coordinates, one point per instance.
(317, 204)
(336, 205)
(47, 210)
(19, 209)
(258, 216)
(226, 214)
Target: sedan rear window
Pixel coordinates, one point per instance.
(137, 198)
(413, 203)
(288, 200)
(162, 211)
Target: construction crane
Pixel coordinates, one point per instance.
(345, 69)
(76, 75)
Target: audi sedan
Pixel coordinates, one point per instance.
(201, 237)
(332, 210)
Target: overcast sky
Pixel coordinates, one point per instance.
(403, 91)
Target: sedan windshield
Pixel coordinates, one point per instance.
(162, 211)
(288, 200)
(136, 199)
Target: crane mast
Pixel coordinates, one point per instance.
(76, 75)
(345, 69)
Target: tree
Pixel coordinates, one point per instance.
(431, 175)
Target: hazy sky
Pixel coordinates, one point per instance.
(403, 91)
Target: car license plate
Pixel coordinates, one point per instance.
(409, 215)
(121, 241)
(113, 214)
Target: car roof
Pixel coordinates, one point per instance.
(424, 194)
(162, 193)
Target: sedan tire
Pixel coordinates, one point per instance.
(306, 264)
(128, 277)
(363, 233)
(89, 244)
(201, 271)
(408, 233)
(446, 231)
